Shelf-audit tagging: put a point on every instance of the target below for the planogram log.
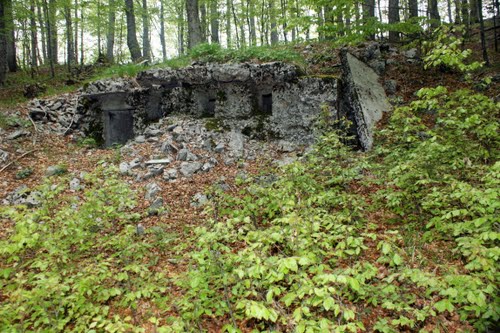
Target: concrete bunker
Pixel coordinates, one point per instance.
(271, 100)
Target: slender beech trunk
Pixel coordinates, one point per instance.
(457, 12)
(274, 25)
(214, 22)
(483, 37)
(162, 30)
(450, 17)
(474, 11)
(75, 41)
(133, 44)
(146, 44)
(465, 13)
(52, 32)
(70, 55)
(194, 27)
(228, 23)
(110, 35)
(180, 29)
(413, 8)
(393, 18)
(50, 48)
(251, 22)
(434, 13)
(34, 38)
(283, 15)
(203, 22)
(368, 8)
(3, 45)
(82, 50)
(43, 32)
(10, 35)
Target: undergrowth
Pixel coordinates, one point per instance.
(402, 239)
(75, 263)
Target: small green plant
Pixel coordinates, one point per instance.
(445, 50)
(87, 142)
(24, 173)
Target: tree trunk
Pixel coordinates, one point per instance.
(457, 12)
(82, 51)
(393, 18)
(146, 44)
(474, 11)
(214, 22)
(369, 12)
(465, 13)
(180, 29)
(483, 37)
(76, 33)
(434, 14)
(162, 30)
(110, 35)
(132, 43)
(3, 45)
(251, 22)
(52, 32)
(228, 23)
(11, 39)
(413, 8)
(50, 40)
(69, 37)
(203, 22)
(193, 19)
(34, 39)
(450, 17)
(283, 15)
(43, 32)
(274, 26)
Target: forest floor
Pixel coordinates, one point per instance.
(37, 151)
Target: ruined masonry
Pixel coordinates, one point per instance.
(271, 101)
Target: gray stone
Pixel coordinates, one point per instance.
(169, 147)
(33, 199)
(140, 230)
(207, 167)
(285, 161)
(124, 168)
(152, 190)
(56, 106)
(153, 172)
(152, 132)
(161, 161)
(199, 200)
(286, 146)
(189, 169)
(156, 206)
(363, 98)
(378, 66)
(170, 174)
(390, 86)
(411, 53)
(372, 51)
(236, 143)
(186, 155)
(140, 139)
(219, 148)
(55, 170)
(135, 163)
(17, 134)
(4, 156)
(74, 184)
